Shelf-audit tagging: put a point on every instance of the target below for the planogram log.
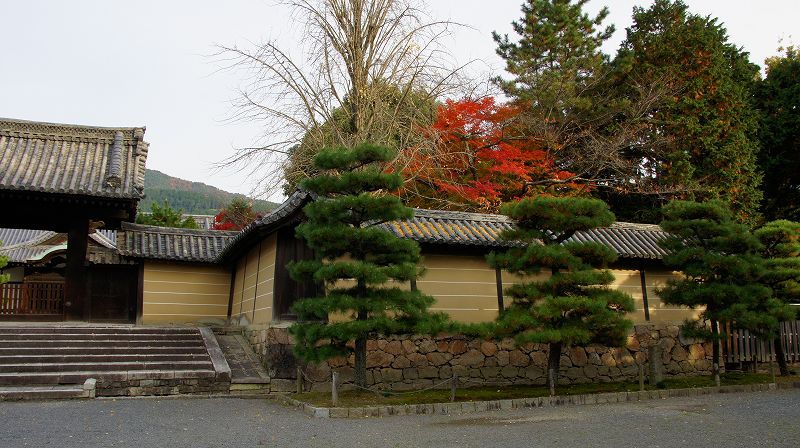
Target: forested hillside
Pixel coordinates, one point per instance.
(193, 197)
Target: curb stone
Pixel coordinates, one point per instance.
(469, 407)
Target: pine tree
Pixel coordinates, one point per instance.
(781, 250)
(778, 96)
(709, 124)
(166, 216)
(574, 306)
(721, 270)
(357, 261)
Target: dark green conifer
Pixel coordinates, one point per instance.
(721, 268)
(781, 252)
(574, 306)
(361, 266)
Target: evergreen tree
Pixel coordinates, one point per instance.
(709, 124)
(166, 216)
(570, 104)
(574, 306)
(357, 261)
(778, 97)
(781, 250)
(3, 262)
(721, 270)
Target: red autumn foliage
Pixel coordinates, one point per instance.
(236, 216)
(481, 157)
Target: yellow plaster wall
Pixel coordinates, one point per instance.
(254, 283)
(464, 286)
(659, 311)
(180, 293)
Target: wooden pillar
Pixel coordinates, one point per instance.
(498, 276)
(645, 302)
(76, 300)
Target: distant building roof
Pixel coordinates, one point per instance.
(72, 159)
(174, 244)
(31, 246)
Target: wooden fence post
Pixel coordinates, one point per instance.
(334, 391)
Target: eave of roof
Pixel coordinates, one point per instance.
(281, 215)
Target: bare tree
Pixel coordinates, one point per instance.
(371, 70)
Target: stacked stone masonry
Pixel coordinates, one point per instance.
(414, 362)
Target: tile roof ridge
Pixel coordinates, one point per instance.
(637, 226)
(469, 216)
(177, 230)
(34, 127)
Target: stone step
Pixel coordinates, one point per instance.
(99, 343)
(52, 378)
(104, 366)
(43, 392)
(246, 390)
(99, 336)
(93, 350)
(97, 329)
(82, 357)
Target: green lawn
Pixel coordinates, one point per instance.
(363, 398)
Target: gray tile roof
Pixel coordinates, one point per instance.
(72, 159)
(164, 243)
(26, 245)
(629, 240)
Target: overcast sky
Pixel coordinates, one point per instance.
(145, 62)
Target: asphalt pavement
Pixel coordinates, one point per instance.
(769, 419)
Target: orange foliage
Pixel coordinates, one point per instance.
(481, 157)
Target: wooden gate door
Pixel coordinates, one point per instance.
(287, 291)
(112, 291)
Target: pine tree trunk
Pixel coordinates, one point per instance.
(553, 363)
(780, 355)
(361, 344)
(361, 362)
(715, 358)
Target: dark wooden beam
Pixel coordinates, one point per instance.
(75, 285)
(139, 292)
(645, 303)
(498, 274)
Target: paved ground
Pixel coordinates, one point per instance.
(731, 420)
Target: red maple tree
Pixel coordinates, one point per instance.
(480, 157)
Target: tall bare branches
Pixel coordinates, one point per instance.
(368, 68)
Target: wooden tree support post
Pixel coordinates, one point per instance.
(551, 374)
(299, 380)
(453, 386)
(641, 377)
(716, 375)
(334, 390)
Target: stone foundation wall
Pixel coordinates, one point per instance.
(414, 362)
(136, 388)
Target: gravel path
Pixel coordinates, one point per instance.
(730, 420)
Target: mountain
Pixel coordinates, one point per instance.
(194, 198)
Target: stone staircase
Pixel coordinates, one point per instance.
(56, 361)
